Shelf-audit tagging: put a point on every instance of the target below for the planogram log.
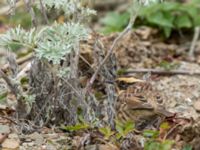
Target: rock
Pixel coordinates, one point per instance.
(13, 136)
(197, 105)
(107, 147)
(10, 144)
(38, 138)
(101, 147)
(50, 147)
(4, 129)
(30, 144)
(91, 147)
(2, 137)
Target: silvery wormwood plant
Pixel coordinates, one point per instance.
(51, 42)
(55, 41)
(69, 7)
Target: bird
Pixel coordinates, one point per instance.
(140, 103)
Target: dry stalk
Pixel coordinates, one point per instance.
(194, 42)
(110, 51)
(162, 72)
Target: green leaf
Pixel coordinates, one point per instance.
(167, 31)
(166, 145)
(128, 127)
(187, 147)
(3, 97)
(76, 127)
(152, 145)
(120, 130)
(106, 131)
(114, 21)
(189, 9)
(150, 133)
(24, 80)
(169, 6)
(124, 128)
(162, 19)
(155, 145)
(109, 29)
(183, 21)
(196, 20)
(165, 125)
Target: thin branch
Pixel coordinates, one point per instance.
(31, 11)
(23, 71)
(5, 10)
(8, 118)
(44, 12)
(171, 131)
(194, 42)
(9, 82)
(20, 61)
(110, 51)
(76, 91)
(162, 72)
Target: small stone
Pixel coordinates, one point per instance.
(28, 140)
(107, 147)
(91, 147)
(13, 136)
(50, 147)
(30, 144)
(24, 144)
(38, 138)
(10, 144)
(4, 129)
(197, 105)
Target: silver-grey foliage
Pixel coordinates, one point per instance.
(58, 40)
(70, 7)
(51, 42)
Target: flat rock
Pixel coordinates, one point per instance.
(10, 144)
(38, 138)
(197, 105)
(5, 129)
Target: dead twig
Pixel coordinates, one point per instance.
(9, 82)
(110, 51)
(44, 12)
(171, 131)
(20, 61)
(23, 71)
(5, 10)
(31, 11)
(8, 118)
(162, 72)
(194, 42)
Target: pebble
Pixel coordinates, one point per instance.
(197, 105)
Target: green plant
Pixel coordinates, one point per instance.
(107, 132)
(155, 145)
(167, 16)
(168, 65)
(123, 128)
(51, 43)
(150, 134)
(151, 139)
(172, 15)
(77, 127)
(114, 22)
(187, 147)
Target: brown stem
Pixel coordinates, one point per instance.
(162, 72)
(11, 85)
(110, 51)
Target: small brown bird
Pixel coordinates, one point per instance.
(140, 104)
